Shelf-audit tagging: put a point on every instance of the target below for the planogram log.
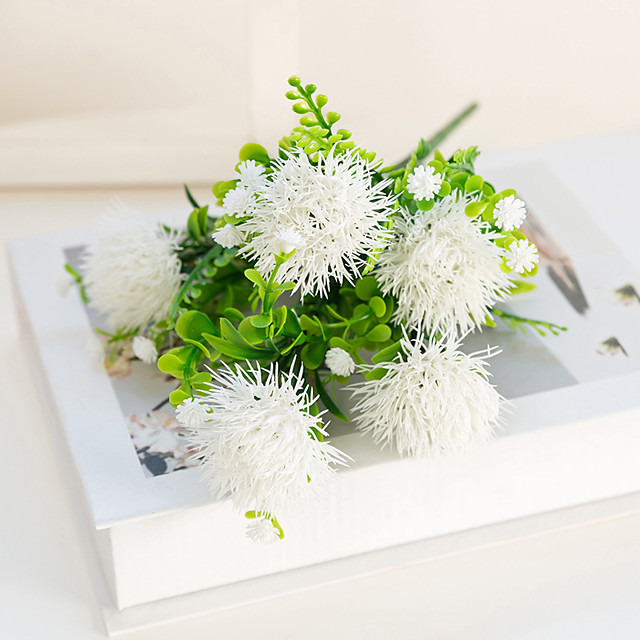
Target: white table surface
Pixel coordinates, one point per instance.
(579, 583)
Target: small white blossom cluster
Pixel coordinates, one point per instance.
(145, 349)
(424, 182)
(433, 398)
(339, 362)
(331, 213)
(259, 441)
(240, 202)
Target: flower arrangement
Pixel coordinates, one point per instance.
(318, 266)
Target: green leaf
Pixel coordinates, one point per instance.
(233, 314)
(298, 341)
(177, 397)
(378, 306)
(313, 354)
(387, 354)
(366, 287)
(521, 286)
(221, 188)
(379, 333)
(341, 343)
(474, 209)
(261, 321)
(192, 324)
(190, 198)
(473, 183)
(237, 351)
(375, 374)
(171, 364)
(195, 343)
(291, 326)
(255, 277)
(327, 401)
(253, 151)
(251, 334)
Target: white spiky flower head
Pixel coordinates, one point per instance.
(443, 267)
(433, 398)
(260, 443)
(262, 530)
(145, 349)
(522, 256)
(335, 211)
(132, 272)
(228, 236)
(509, 213)
(339, 362)
(191, 413)
(423, 182)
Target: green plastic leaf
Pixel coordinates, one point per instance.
(375, 374)
(328, 401)
(253, 151)
(192, 324)
(237, 351)
(313, 354)
(255, 277)
(366, 287)
(261, 321)
(221, 188)
(378, 306)
(177, 397)
(445, 189)
(197, 344)
(379, 333)
(171, 364)
(341, 343)
(233, 314)
(473, 183)
(474, 209)
(251, 334)
(387, 354)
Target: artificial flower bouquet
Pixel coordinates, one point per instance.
(318, 267)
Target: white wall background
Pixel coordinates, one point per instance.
(193, 74)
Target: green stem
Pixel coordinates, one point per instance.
(425, 147)
(514, 320)
(189, 280)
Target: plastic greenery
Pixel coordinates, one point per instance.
(256, 291)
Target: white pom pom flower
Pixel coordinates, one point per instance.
(260, 443)
(191, 413)
(228, 236)
(433, 398)
(509, 213)
(252, 175)
(132, 272)
(339, 362)
(443, 267)
(145, 349)
(423, 182)
(522, 256)
(335, 211)
(261, 530)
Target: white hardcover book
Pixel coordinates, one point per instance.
(571, 436)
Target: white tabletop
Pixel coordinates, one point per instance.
(578, 583)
